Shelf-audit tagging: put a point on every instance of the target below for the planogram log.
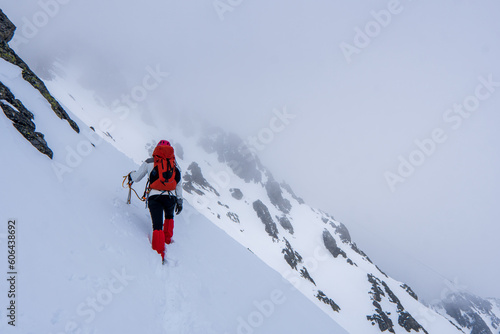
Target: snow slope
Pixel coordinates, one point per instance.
(84, 262)
(341, 280)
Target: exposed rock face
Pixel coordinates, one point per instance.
(194, 179)
(7, 28)
(275, 194)
(382, 318)
(287, 187)
(343, 232)
(285, 223)
(291, 256)
(9, 55)
(234, 217)
(22, 120)
(236, 193)
(410, 291)
(305, 274)
(472, 312)
(265, 217)
(324, 298)
(331, 245)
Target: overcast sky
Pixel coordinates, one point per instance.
(393, 106)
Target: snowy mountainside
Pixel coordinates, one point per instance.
(84, 262)
(472, 313)
(81, 243)
(225, 182)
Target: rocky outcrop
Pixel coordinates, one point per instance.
(9, 55)
(343, 232)
(285, 223)
(474, 314)
(382, 318)
(275, 194)
(265, 217)
(22, 119)
(236, 193)
(7, 28)
(233, 216)
(304, 273)
(291, 256)
(287, 187)
(410, 291)
(324, 298)
(194, 181)
(331, 245)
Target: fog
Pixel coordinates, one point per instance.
(388, 109)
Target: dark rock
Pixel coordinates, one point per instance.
(405, 319)
(234, 217)
(275, 194)
(343, 232)
(471, 312)
(9, 55)
(292, 257)
(351, 262)
(324, 298)
(355, 248)
(22, 120)
(376, 291)
(285, 223)
(410, 291)
(193, 178)
(305, 274)
(222, 204)
(287, 187)
(381, 318)
(409, 323)
(331, 245)
(265, 217)
(236, 193)
(7, 28)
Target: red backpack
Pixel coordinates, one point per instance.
(163, 176)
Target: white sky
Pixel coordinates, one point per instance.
(352, 120)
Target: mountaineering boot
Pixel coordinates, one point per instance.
(158, 243)
(168, 228)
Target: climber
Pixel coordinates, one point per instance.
(164, 193)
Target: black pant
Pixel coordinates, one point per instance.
(157, 205)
